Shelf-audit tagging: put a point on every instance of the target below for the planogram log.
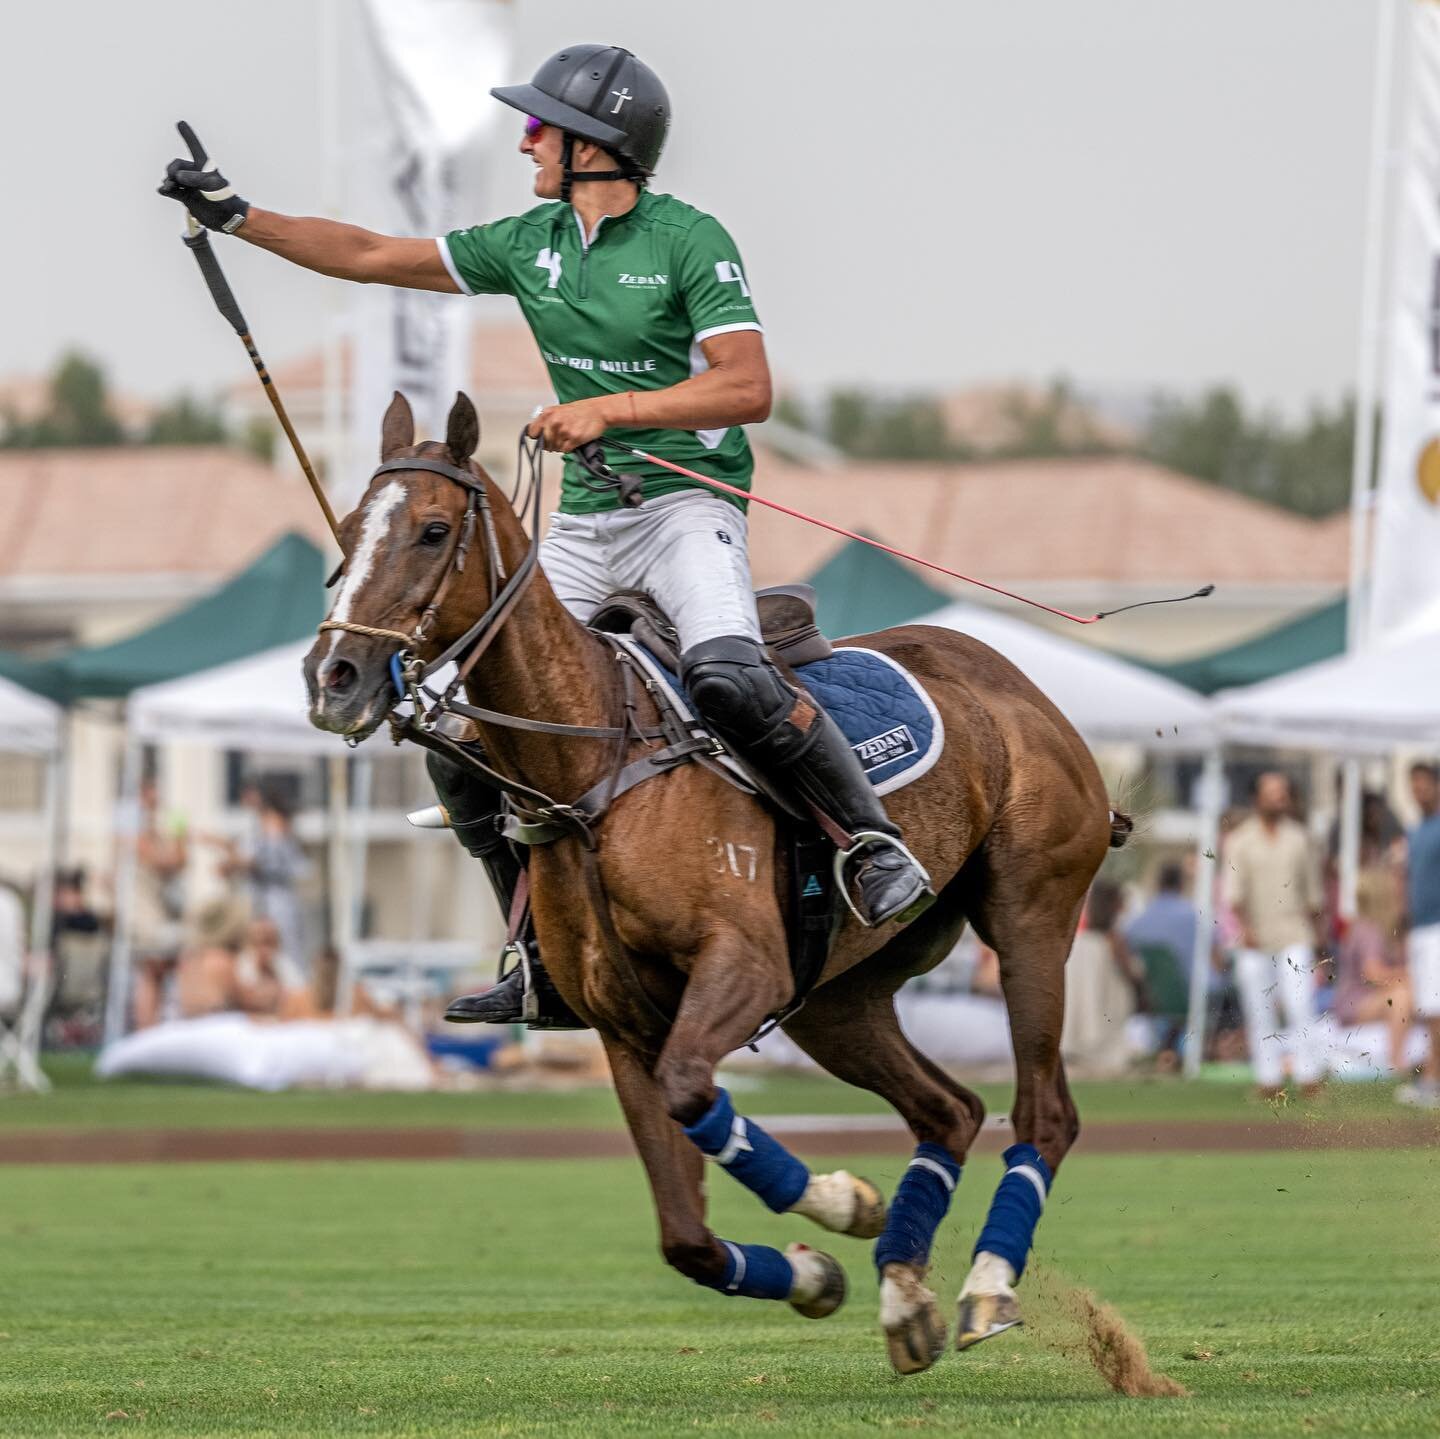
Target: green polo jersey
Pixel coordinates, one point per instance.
(626, 310)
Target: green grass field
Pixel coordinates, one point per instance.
(1291, 1292)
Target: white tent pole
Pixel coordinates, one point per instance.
(422, 904)
(1362, 464)
(43, 902)
(342, 872)
(127, 858)
(362, 789)
(41, 965)
(1207, 850)
(1351, 794)
(1362, 469)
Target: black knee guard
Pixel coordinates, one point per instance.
(746, 700)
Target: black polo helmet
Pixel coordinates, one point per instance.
(603, 94)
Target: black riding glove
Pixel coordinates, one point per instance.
(202, 189)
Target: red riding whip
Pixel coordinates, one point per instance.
(890, 549)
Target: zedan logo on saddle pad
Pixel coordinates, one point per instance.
(883, 749)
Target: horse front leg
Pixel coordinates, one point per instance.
(811, 1282)
(737, 979)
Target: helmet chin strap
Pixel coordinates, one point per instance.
(570, 177)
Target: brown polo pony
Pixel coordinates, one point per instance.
(1012, 823)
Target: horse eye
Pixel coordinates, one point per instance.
(432, 534)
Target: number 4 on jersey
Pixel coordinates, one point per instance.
(728, 272)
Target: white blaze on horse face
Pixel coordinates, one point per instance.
(377, 524)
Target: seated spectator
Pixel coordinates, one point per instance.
(1168, 920)
(1162, 939)
(212, 978)
(1101, 978)
(1370, 979)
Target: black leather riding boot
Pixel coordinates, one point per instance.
(786, 734)
(827, 772)
(523, 995)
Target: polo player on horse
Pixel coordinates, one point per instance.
(642, 309)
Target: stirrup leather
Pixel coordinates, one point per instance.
(861, 841)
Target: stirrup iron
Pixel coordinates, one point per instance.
(862, 840)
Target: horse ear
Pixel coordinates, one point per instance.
(397, 431)
(462, 429)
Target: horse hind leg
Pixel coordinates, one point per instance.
(1032, 973)
(851, 1029)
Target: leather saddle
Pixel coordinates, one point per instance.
(787, 625)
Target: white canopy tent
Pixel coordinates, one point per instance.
(1365, 702)
(1109, 700)
(33, 726)
(255, 704)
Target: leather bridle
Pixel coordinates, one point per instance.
(408, 670)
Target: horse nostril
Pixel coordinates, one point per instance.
(339, 676)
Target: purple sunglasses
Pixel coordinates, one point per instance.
(533, 126)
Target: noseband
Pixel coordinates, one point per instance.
(407, 668)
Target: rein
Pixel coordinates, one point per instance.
(410, 673)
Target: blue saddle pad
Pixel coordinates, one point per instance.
(891, 723)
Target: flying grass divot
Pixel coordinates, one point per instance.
(1074, 1322)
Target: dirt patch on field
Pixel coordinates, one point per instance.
(149, 1146)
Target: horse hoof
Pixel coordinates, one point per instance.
(868, 1219)
(818, 1289)
(914, 1330)
(983, 1316)
(843, 1204)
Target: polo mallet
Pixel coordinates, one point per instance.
(197, 240)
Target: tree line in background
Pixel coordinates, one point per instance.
(78, 411)
(1302, 466)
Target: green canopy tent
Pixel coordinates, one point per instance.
(1316, 635)
(860, 589)
(274, 601)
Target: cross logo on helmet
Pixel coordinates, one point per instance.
(621, 96)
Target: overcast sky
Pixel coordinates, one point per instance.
(1138, 193)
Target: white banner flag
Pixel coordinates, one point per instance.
(1406, 563)
(417, 99)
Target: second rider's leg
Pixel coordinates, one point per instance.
(573, 560)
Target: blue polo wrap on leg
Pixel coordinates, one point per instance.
(1015, 1211)
(920, 1203)
(754, 1271)
(762, 1164)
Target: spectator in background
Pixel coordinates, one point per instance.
(157, 931)
(1101, 979)
(1168, 920)
(1423, 940)
(1370, 980)
(212, 978)
(1273, 887)
(270, 864)
(82, 953)
(1162, 939)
